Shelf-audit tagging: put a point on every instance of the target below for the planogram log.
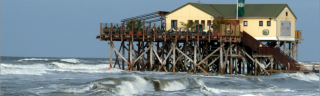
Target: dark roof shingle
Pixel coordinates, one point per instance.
(229, 10)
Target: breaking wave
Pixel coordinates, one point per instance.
(80, 66)
(138, 86)
(71, 60)
(304, 77)
(264, 90)
(39, 69)
(33, 69)
(34, 59)
(41, 59)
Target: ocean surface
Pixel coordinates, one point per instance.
(46, 76)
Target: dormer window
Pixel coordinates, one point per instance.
(286, 13)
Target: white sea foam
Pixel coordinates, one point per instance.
(199, 81)
(34, 59)
(312, 76)
(85, 68)
(138, 86)
(114, 70)
(304, 77)
(31, 66)
(265, 90)
(71, 60)
(175, 85)
(33, 69)
(108, 82)
(5, 71)
(81, 89)
(81, 66)
(248, 95)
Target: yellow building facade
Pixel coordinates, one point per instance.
(280, 24)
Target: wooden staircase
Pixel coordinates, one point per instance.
(276, 53)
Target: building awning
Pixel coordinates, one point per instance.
(149, 18)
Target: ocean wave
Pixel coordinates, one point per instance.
(29, 66)
(33, 59)
(22, 72)
(264, 90)
(113, 70)
(304, 77)
(70, 60)
(74, 90)
(84, 68)
(138, 86)
(80, 66)
(33, 69)
(173, 85)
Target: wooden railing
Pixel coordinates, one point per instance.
(108, 31)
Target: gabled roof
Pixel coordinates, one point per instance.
(229, 10)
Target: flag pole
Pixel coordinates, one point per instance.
(237, 10)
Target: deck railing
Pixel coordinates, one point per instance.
(109, 30)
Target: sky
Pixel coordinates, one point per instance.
(67, 28)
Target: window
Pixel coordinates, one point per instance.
(189, 21)
(208, 22)
(203, 22)
(286, 13)
(260, 23)
(268, 23)
(173, 23)
(245, 23)
(197, 22)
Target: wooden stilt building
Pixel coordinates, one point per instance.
(209, 48)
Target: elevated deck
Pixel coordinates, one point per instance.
(228, 33)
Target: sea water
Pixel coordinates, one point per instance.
(46, 76)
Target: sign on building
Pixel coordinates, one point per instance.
(285, 28)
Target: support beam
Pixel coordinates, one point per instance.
(123, 54)
(221, 59)
(194, 56)
(174, 56)
(130, 52)
(202, 61)
(168, 55)
(112, 46)
(110, 54)
(254, 60)
(297, 56)
(151, 58)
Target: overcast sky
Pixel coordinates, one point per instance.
(67, 28)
